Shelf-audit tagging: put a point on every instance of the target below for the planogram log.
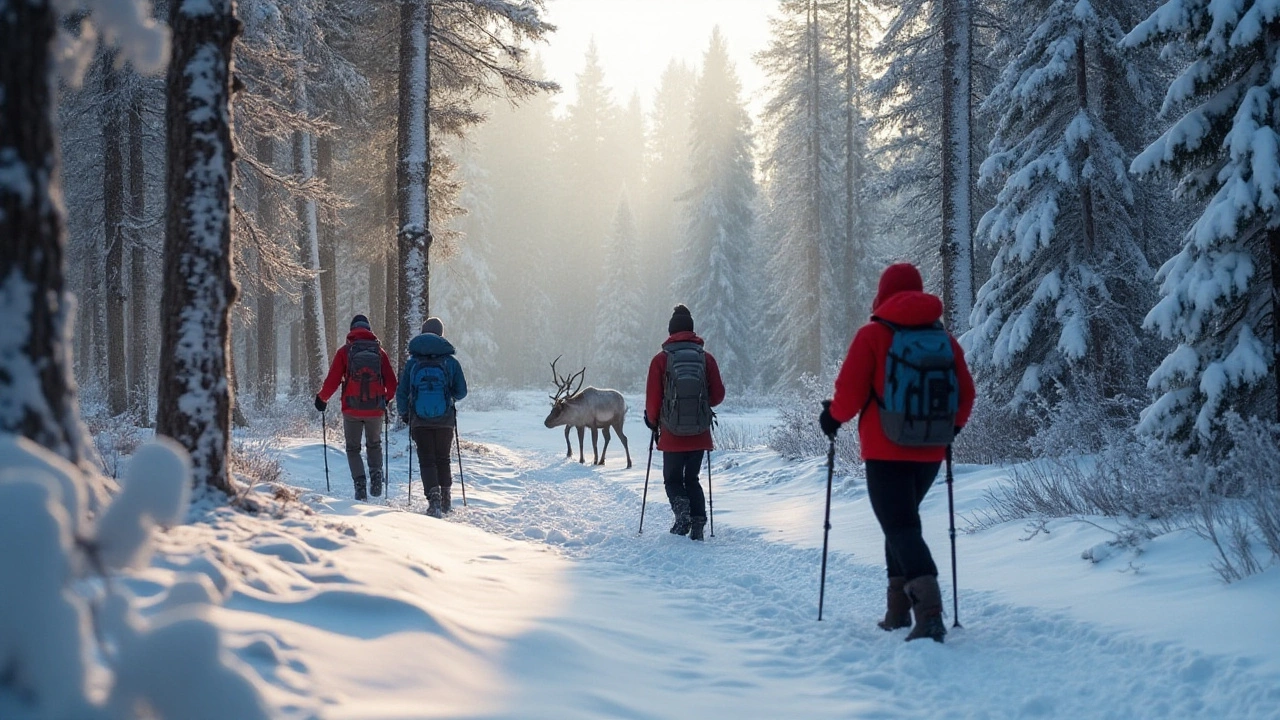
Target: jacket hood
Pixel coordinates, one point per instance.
(910, 308)
(428, 344)
(897, 278)
(683, 336)
(360, 334)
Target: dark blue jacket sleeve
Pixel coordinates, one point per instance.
(402, 390)
(459, 388)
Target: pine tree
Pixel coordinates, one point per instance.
(619, 352)
(714, 268)
(1058, 309)
(659, 212)
(1221, 294)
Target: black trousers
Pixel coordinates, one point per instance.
(680, 478)
(896, 489)
(434, 445)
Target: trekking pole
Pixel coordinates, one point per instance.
(457, 442)
(324, 432)
(826, 523)
(951, 510)
(653, 437)
(386, 456)
(711, 497)
(411, 463)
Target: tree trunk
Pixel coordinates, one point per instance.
(139, 364)
(957, 208)
(414, 166)
(853, 256)
(37, 384)
(313, 318)
(194, 399)
(113, 230)
(1273, 237)
(812, 364)
(391, 265)
(328, 250)
(268, 221)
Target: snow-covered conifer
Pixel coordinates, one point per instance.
(619, 359)
(1058, 308)
(1220, 294)
(714, 271)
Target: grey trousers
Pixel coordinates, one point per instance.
(371, 428)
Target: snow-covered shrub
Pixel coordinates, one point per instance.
(738, 436)
(491, 398)
(994, 434)
(255, 461)
(1242, 516)
(1135, 478)
(171, 667)
(115, 438)
(797, 433)
(1070, 424)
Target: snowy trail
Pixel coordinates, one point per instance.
(660, 625)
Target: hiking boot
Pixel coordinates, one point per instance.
(926, 605)
(375, 483)
(433, 503)
(680, 508)
(446, 500)
(361, 495)
(898, 612)
(695, 527)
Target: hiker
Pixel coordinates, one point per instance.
(432, 381)
(368, 381)
(684, 384)
(898, 475)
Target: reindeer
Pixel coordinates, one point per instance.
(589, 408)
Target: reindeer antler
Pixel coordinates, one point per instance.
(561, 383)
(580, 374)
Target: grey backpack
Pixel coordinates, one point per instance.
(686, 405)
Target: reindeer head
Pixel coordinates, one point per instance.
(564, 391)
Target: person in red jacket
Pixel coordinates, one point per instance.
(898, 476)
(368, 380)
(682, 448)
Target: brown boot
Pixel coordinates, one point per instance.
(926, 604)
(898, 614)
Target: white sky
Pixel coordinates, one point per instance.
(637, 38)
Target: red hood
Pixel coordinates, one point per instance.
(899, 277)
(360, 334)
(911, 308)
(684, 336)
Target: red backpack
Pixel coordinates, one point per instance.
(363, 388)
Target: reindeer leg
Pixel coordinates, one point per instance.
(605, 451)
(618, 429)
(581, 458)
(595, 458)
(568, 447)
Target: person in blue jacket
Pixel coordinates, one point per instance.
(430, 385)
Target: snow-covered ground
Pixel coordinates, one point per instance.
(539, 599)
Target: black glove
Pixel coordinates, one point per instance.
(830, 425)
(320, 404)
(955, 431)
(649, 423)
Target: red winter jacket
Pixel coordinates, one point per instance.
(338, 374)
(901, 301)
(656, 385)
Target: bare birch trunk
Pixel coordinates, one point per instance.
(37, 382)
(414, 166)
(268, 222)
(391, 266)
(957, 206)
(328, 251)
(194, 398)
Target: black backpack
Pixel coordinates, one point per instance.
(364, 388)
(686, 405)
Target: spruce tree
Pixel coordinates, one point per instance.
(619, 359)
(1221, 294)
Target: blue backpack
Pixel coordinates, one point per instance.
(429, 388)
(921, 393)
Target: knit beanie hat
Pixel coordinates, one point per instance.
(433, 326)
(681, 321)
(362, 322)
